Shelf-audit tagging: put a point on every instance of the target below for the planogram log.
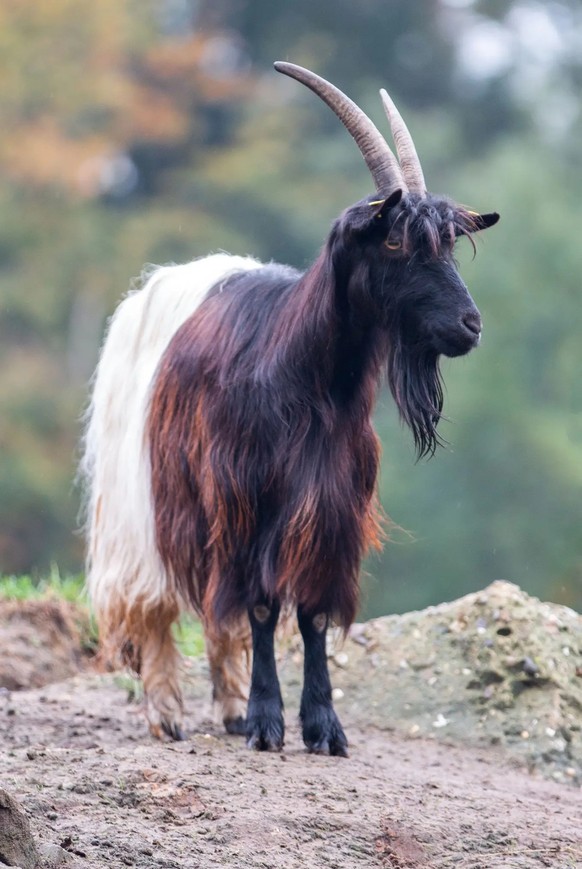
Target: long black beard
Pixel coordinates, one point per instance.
(416, 384)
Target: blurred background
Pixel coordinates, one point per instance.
(139, 131)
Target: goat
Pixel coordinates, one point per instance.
(230, 458)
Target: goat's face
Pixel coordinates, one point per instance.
(395, 260)
(402, 253)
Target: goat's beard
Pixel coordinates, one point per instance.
(415, 382)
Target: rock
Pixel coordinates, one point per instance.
(54, 855)
(17, 847)
(482, 670)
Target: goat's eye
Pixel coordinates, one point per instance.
(393, 245)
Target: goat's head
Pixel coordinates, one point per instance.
(394, 254)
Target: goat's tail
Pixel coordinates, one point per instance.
(125, 575)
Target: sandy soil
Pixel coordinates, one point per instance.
(78, 757)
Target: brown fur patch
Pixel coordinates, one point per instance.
(229, 656)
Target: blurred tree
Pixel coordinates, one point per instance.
(85, 139)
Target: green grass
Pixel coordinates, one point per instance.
(28, 588)
(189, 637)
(188, 633)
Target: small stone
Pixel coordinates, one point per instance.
(456, 626)
(358, 633)
(440, 721)
(530, 667)
(337, 694)
(550, 732)
(341, 659)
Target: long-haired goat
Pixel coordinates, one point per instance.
(230, 458)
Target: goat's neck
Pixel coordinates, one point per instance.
(335, 331)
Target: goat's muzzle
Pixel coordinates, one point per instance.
(459, 338)
(465, 337)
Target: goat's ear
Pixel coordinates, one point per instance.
(473, 222)
(366, 215)
(383, 206)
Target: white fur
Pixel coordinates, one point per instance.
(123, 564)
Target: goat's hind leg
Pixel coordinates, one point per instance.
(150, 650)
(265, 725)
(322, 731)
(229, 652)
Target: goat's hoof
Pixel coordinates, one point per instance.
(335, 747)
(164, 718)
(173, 730)
(164, 730)
(324, 735)
(265, 732)
(265, 742)
(236, 726)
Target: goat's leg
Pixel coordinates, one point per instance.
(229, 652)
(265, 726)
(159, 672)
(147, 646)
(322, 731)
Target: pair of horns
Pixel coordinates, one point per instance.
(388, 173)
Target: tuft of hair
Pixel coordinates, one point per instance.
(416, 385)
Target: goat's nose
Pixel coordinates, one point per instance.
(472, 322)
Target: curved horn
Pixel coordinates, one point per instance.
(405, 149)
(380, 160)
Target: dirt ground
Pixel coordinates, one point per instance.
(41, 641)
(78, 757)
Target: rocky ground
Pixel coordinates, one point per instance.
(465, 751)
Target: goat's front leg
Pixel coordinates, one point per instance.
(265, 727)
(322, 731)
